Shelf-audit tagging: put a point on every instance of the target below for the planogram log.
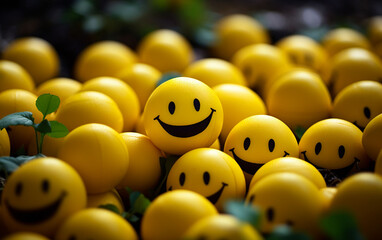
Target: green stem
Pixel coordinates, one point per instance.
(35, 133)
(41, 142)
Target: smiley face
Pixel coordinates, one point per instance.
(183, 114)
(334, 144)
(287, 198)
(259, 139)
(209, 172)
(95, 223)
(41, 194)
(359, 103)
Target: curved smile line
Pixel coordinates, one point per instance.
(37, 215)
(248, 167)
(341, 172)
(185, 131)
(215, 197)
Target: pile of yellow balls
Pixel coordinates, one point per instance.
(293, 128)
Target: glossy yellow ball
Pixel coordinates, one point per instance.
(13, 75)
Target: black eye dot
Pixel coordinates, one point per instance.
(289, 223)
(18, 189)
(247, 142)
(317, 148)
(206, 178)
(196, 104)
(251, 198)
(72, 237)
(271, 145)
(270, 214)
(182, 178)
(171, 107)
(366, 111)
(341, 151)
(45, 186)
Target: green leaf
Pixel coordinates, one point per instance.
(58, 130)
(141, 204)
(341, 225)
(285, 232)
(299, 131)
(47, 103)
(110, 207)
(44, 127)
(18, 118)
(166, 165)
(10, 164)
(244, 212)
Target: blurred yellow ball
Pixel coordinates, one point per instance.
(236, 31)
(5, 145)
(338, 39)
(13, 75)
(260, 63)
(142, 78)
(36, 56)
(214, 71)
(110, 197)
(123, 95)
(61, 87)
(18, 100)
(166, 50)
(104, 58)
(99, 155)
(90, 107)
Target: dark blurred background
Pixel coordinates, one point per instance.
(71, 25)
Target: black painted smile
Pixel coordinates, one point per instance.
(341, 172)
(185, 131)
(37, 215)
(248, 167)
(215, 197)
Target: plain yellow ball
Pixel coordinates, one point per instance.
(13, 75)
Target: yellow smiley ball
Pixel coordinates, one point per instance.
(359, 103)
(144, 168)
(371, 138)
(25, 236)
(90, 107)
(123, 95)
(221, 226)
(96, 224)
(350, 66)
(104, 58)
(142, 78)
(13, 75)
(289, 164)
(40, 195)
(165, 50)
(214, 71)
(183, 114)
(209, 172)
(334, 144)
(260, 63)
(258, 139)
(37, 56)
(98, 153)
(110, 197)
(304, 51)
(299, 98)
(5, 147)
(171, 214)
(238, 103)
(287, 198)
(361, 196)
